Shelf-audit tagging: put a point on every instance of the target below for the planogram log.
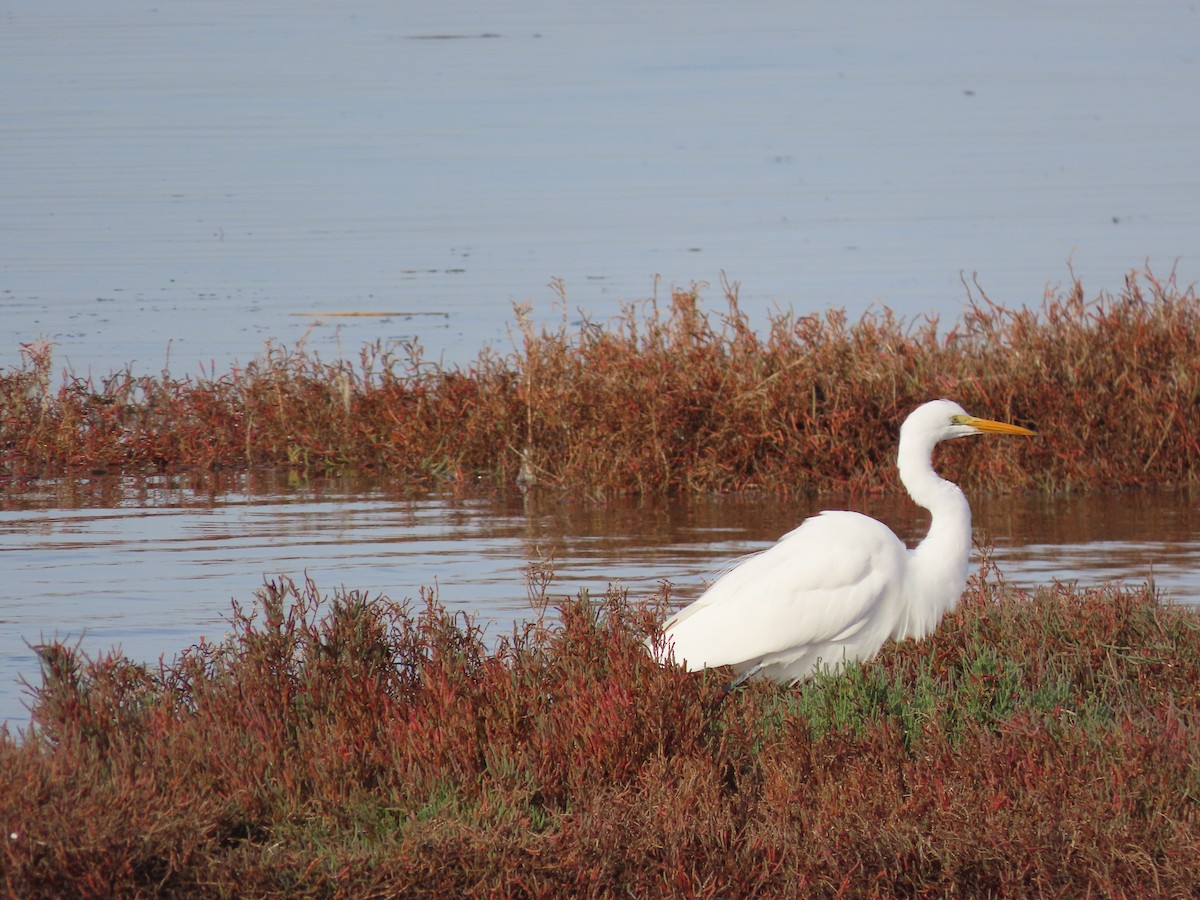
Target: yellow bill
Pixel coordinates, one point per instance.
(992, 427)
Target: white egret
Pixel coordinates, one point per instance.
(837, 587)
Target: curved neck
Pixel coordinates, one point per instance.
(939, 563)
(942, 498)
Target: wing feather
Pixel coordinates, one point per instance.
(820, 584)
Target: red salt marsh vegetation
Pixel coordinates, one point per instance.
(663, 401)
(1039, 743)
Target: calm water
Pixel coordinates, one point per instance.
(180, 179)
(151, 565)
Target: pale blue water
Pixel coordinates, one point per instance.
(180, 179)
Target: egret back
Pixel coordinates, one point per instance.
(835, 584)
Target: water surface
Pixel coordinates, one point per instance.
(151, 565)
(180, 179)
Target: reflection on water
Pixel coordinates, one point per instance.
(1135, 536)
(151, 564)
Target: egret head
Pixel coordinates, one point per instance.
(941, 420)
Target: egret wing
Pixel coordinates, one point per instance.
(818, 584)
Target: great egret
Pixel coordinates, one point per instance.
(838, 586)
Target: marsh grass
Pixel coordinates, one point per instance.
(1044, 743)
(667, 400)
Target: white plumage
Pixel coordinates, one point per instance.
(837, 587)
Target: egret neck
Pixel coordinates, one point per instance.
(938, 572)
